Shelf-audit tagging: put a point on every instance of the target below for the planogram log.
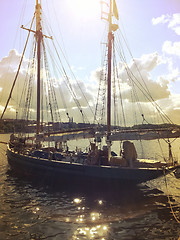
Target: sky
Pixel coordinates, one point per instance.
(152, 30)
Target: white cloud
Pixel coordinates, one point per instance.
(171, 107)
(171, 48)
(159, 88)
(8, 68)
(162, 19)
(147, 62)
(173, 21)
(10, 63)
(139, 71)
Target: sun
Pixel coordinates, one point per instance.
(84, 8)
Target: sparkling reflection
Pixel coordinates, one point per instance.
(95, 216)
(80, 218)
(67, 219)
(36, 210)
(93, 232)
(30, 210)
(77, 200)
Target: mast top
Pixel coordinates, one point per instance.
(38, 2)
(110, 16)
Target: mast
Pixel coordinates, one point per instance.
(38, 39)
(110, 38)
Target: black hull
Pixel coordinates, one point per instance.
(74, 172)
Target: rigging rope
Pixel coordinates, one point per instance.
(68, 84)
(84, 117)
(162, 150)
(71, 89)
(25, 89)
(101, 97)
(29, 88)
(123, 59)
(119, 85)
(51, 91)
(60, 89)
(169, 201)
(114, 90)
(146, 90)
(18, 69)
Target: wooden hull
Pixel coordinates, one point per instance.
(83, 173)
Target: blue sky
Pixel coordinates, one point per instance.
(80, 32)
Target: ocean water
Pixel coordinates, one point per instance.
(32, 209)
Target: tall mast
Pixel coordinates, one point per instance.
(110, 38)
(38, 39)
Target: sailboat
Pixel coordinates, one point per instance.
(27, 154)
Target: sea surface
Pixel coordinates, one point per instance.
(32, 209)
